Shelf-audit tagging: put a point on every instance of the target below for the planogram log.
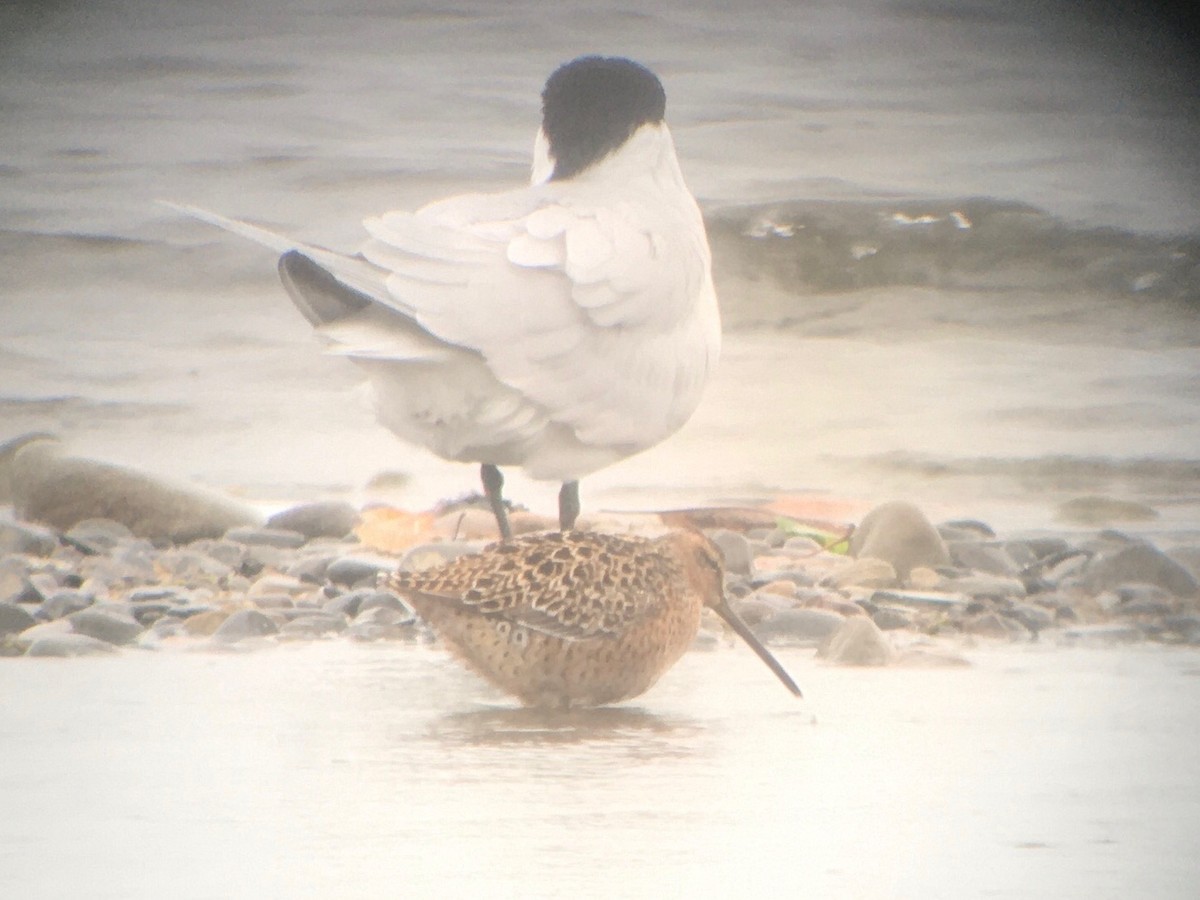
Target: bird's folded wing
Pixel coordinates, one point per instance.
(584, 308)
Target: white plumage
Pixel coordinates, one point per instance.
(560, 327)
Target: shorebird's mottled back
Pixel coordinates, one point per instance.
(575, 618)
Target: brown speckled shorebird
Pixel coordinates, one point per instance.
(576, 619)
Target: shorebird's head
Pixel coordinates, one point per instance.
(704, 567)
(590, 107)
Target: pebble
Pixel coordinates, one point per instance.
(115, 626)
(991, 557)
(985, 585)
(21, 537)
(1140, 563)
(313, 520)
(870, 572)
(14, 619)
(63, 603)
(354, 570)
(798, 627)
(254, 585)
(69, 644)
(858, 642)
(242, 624)
(892, 618)
(1102, 634)
(313, 626)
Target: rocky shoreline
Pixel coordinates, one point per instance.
(900, 591)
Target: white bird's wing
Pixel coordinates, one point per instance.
(594, 310)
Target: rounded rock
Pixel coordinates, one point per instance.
(68, 644)
(333, 519)
(14, 619)
(278, 538)
(353, 570)
(315, 625)
(1140, 563)
(63, 603)
(242, 624)
(60, 491)
(116, 626)
(858, 642)
(22, 537)
(900, 534)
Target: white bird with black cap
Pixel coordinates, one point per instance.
(559, 327)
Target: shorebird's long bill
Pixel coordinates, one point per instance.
(723, 610)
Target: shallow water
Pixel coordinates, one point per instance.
(967, 248)
(366, 771)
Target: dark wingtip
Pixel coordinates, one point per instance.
(319, 296)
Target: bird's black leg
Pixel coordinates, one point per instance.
(493, 487)
(568, 505)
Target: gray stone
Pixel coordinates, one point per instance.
(1044, 547)
(278, 584)
(313, 626)
(858, 642)
(1103, 634)
(926, 599)
(274, 601)
(229, 553)
(384, 599)
(760, 606)
(735, 550)
(1143, 600)
(312, 569)
(266, 537)
(324, 519)
(891, 618)
(991, 557)
(14, 619)
(1187, 556)
(106, 624)
(63, 603)
(68, 644)
(985, 586)
(382, 615)
(1186, 626)
(20, 537)
(899, 534)
(803, 627)
(191, 568)
(245, 623)
(98, 535)
(965, 529)
(868, 571)
(346, 604)
(60, 491)
(1035, 618)
(354, 570)
(1140, 563)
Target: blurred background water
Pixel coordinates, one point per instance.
(957, 244)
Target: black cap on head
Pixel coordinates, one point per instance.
(591, 105)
